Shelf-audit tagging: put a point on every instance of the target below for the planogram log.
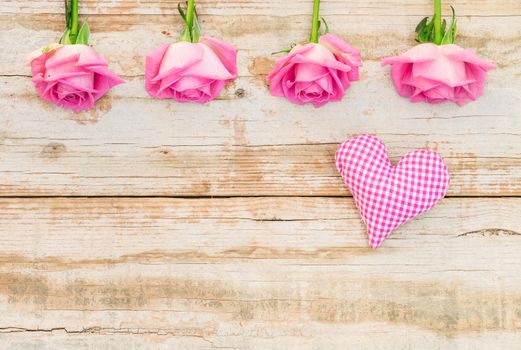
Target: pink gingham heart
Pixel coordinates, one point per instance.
(387, 196)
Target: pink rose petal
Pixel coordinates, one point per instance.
(316, 73)
(190, 72)
(72, 76)
(435, 74)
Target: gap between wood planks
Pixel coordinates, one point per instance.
(227, 196)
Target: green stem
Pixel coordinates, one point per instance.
(190, 13)
(74, 20)
(438, 36)
(316, 23)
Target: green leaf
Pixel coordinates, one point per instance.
(83, 34)
(430, 31)
(450, 34)
(189, 34)
(186, 33)
(281, 51)
(425, 30)
(285, 51)
(421, 25)
(326, 29)
(65, 39)
(68, 14)
(196, 30)
(181, 12)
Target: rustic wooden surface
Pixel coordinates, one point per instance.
(155, 225)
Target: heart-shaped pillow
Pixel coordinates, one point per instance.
(388, 196)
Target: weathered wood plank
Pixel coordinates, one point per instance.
(256, 273)
(125, 40)
(253, 273)
(268, 338)
(270, 7)
(247, 143)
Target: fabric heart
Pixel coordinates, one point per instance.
(387, 196)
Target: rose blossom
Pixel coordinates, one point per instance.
(316, 73)
(71, 76)
(190, 72)
(437, 73)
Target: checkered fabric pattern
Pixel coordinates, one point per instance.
(387, 196)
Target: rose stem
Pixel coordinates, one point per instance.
(314, 26)
(190, 11)
(74, 21)
(437, 22)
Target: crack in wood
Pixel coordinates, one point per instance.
(490, 232)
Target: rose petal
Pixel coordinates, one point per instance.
(277, 79)
(309, 72)
(152, 66)
(103, 83)
(440, 92)
(419, 53)
(216, 87)
(191, 82)
(209, 67)
(443, 69)
(104, 72)
(314, 73)
(438, 73)
(282, 69)
(339, 47)
(344, 53)
(420, 83)
(282, 62)
(166, 85)
(320, 55)
(325, 83)
(38, 67)
(338, 90)
(89, 57)
(289, 89)
(226, 53)
(301, 86)
(179, 57)
(59, 59)
(72, 76)
(399, 73)
(475, 89)
(466, 55)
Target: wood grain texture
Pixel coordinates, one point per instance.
(269, 7)
(248, 142)
(283, 263)
(256, 273)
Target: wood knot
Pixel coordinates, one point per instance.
(240, 93)
(53, 150)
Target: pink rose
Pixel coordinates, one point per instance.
(437, 73)
(71, 76)
(316, 73)
(190, 72)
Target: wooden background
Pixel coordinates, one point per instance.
(149, 224)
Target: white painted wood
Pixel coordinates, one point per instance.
(270, 7)
(248, 142)
(253, 272)
(254, 145)
(256, 273)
